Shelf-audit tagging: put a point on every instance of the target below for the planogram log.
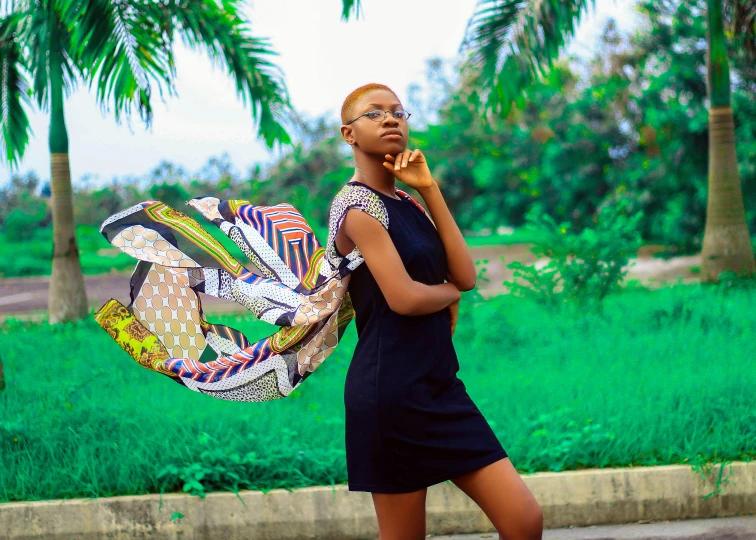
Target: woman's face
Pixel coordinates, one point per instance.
(388, 136)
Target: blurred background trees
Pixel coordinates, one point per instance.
(628, 124)
(123, 50)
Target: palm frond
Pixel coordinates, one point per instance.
(47, 37)
(509, 43)
(347, 6)
(7, 7)
(38, 42)
(14, 92)
(208, 25)
(121, 49)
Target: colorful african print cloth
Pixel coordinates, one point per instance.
(292, 282)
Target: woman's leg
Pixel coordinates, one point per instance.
(401, 516)
(506, 500)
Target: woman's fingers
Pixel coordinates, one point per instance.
(414, 154)
(398, 161)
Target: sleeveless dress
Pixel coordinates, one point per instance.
(410, 422)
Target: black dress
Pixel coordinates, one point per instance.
(410, 422)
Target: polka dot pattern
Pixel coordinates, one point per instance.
(265, 381)
(120, 215)
(352, 196)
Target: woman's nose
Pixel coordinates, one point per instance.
(390, 119)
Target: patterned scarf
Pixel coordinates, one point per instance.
(293, 282)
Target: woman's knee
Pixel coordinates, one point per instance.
(527, 526)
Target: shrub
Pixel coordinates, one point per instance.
(21, 224)
(585, 266)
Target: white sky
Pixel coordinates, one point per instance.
(322, 58)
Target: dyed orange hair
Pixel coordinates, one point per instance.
(347, 109)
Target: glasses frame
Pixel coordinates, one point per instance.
(385, 114)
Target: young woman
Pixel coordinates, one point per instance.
(409, 420)
(410, 423)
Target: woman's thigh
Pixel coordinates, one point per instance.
(401, 516)
(506, 500)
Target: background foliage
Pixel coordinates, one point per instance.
(629, 124)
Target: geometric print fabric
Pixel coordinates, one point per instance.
(294, 283)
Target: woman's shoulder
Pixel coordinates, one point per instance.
(356, 195)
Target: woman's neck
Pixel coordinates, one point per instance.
(370, 171)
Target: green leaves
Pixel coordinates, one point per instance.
(509, 43)
(120, 47)
(127, 46)
(123, 49)
(206, 25)
(348, 6)
(14, 92)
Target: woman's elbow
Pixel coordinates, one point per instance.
(467, 284)
(404, 302)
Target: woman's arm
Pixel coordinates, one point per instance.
(403, 295)
(411, 168)
(461, 266)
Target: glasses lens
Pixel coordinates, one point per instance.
(376, 115)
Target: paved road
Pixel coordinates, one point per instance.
(733, 528)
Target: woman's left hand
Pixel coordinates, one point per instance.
(454, 311)
(410, 168)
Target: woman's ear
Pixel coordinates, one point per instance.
(348, 135)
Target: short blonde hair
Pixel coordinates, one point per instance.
(347, 109)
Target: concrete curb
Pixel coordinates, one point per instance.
(573, 498)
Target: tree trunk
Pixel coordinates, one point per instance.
(2, 376)
(67, 297)
(727, 243)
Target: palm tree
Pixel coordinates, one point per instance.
(726, 243)
(509, 43)
(121, 48)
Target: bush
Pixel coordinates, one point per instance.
(584, 267)
(21, 224)
(173, 194)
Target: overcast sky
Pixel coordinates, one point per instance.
(322, 58)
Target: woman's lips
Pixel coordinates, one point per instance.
(391, 136)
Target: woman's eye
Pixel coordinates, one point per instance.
(375, 114)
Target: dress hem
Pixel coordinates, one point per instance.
(468, 467)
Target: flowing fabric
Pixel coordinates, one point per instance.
(292, 281)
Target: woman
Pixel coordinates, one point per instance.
(409, 420)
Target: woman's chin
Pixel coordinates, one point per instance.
(394, 145)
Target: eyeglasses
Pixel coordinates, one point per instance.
(379, 116)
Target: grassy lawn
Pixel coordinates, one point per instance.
(663, 377)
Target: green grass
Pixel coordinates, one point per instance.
(664, 377)
(520, 236)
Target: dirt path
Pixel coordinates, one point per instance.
(28, 296)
